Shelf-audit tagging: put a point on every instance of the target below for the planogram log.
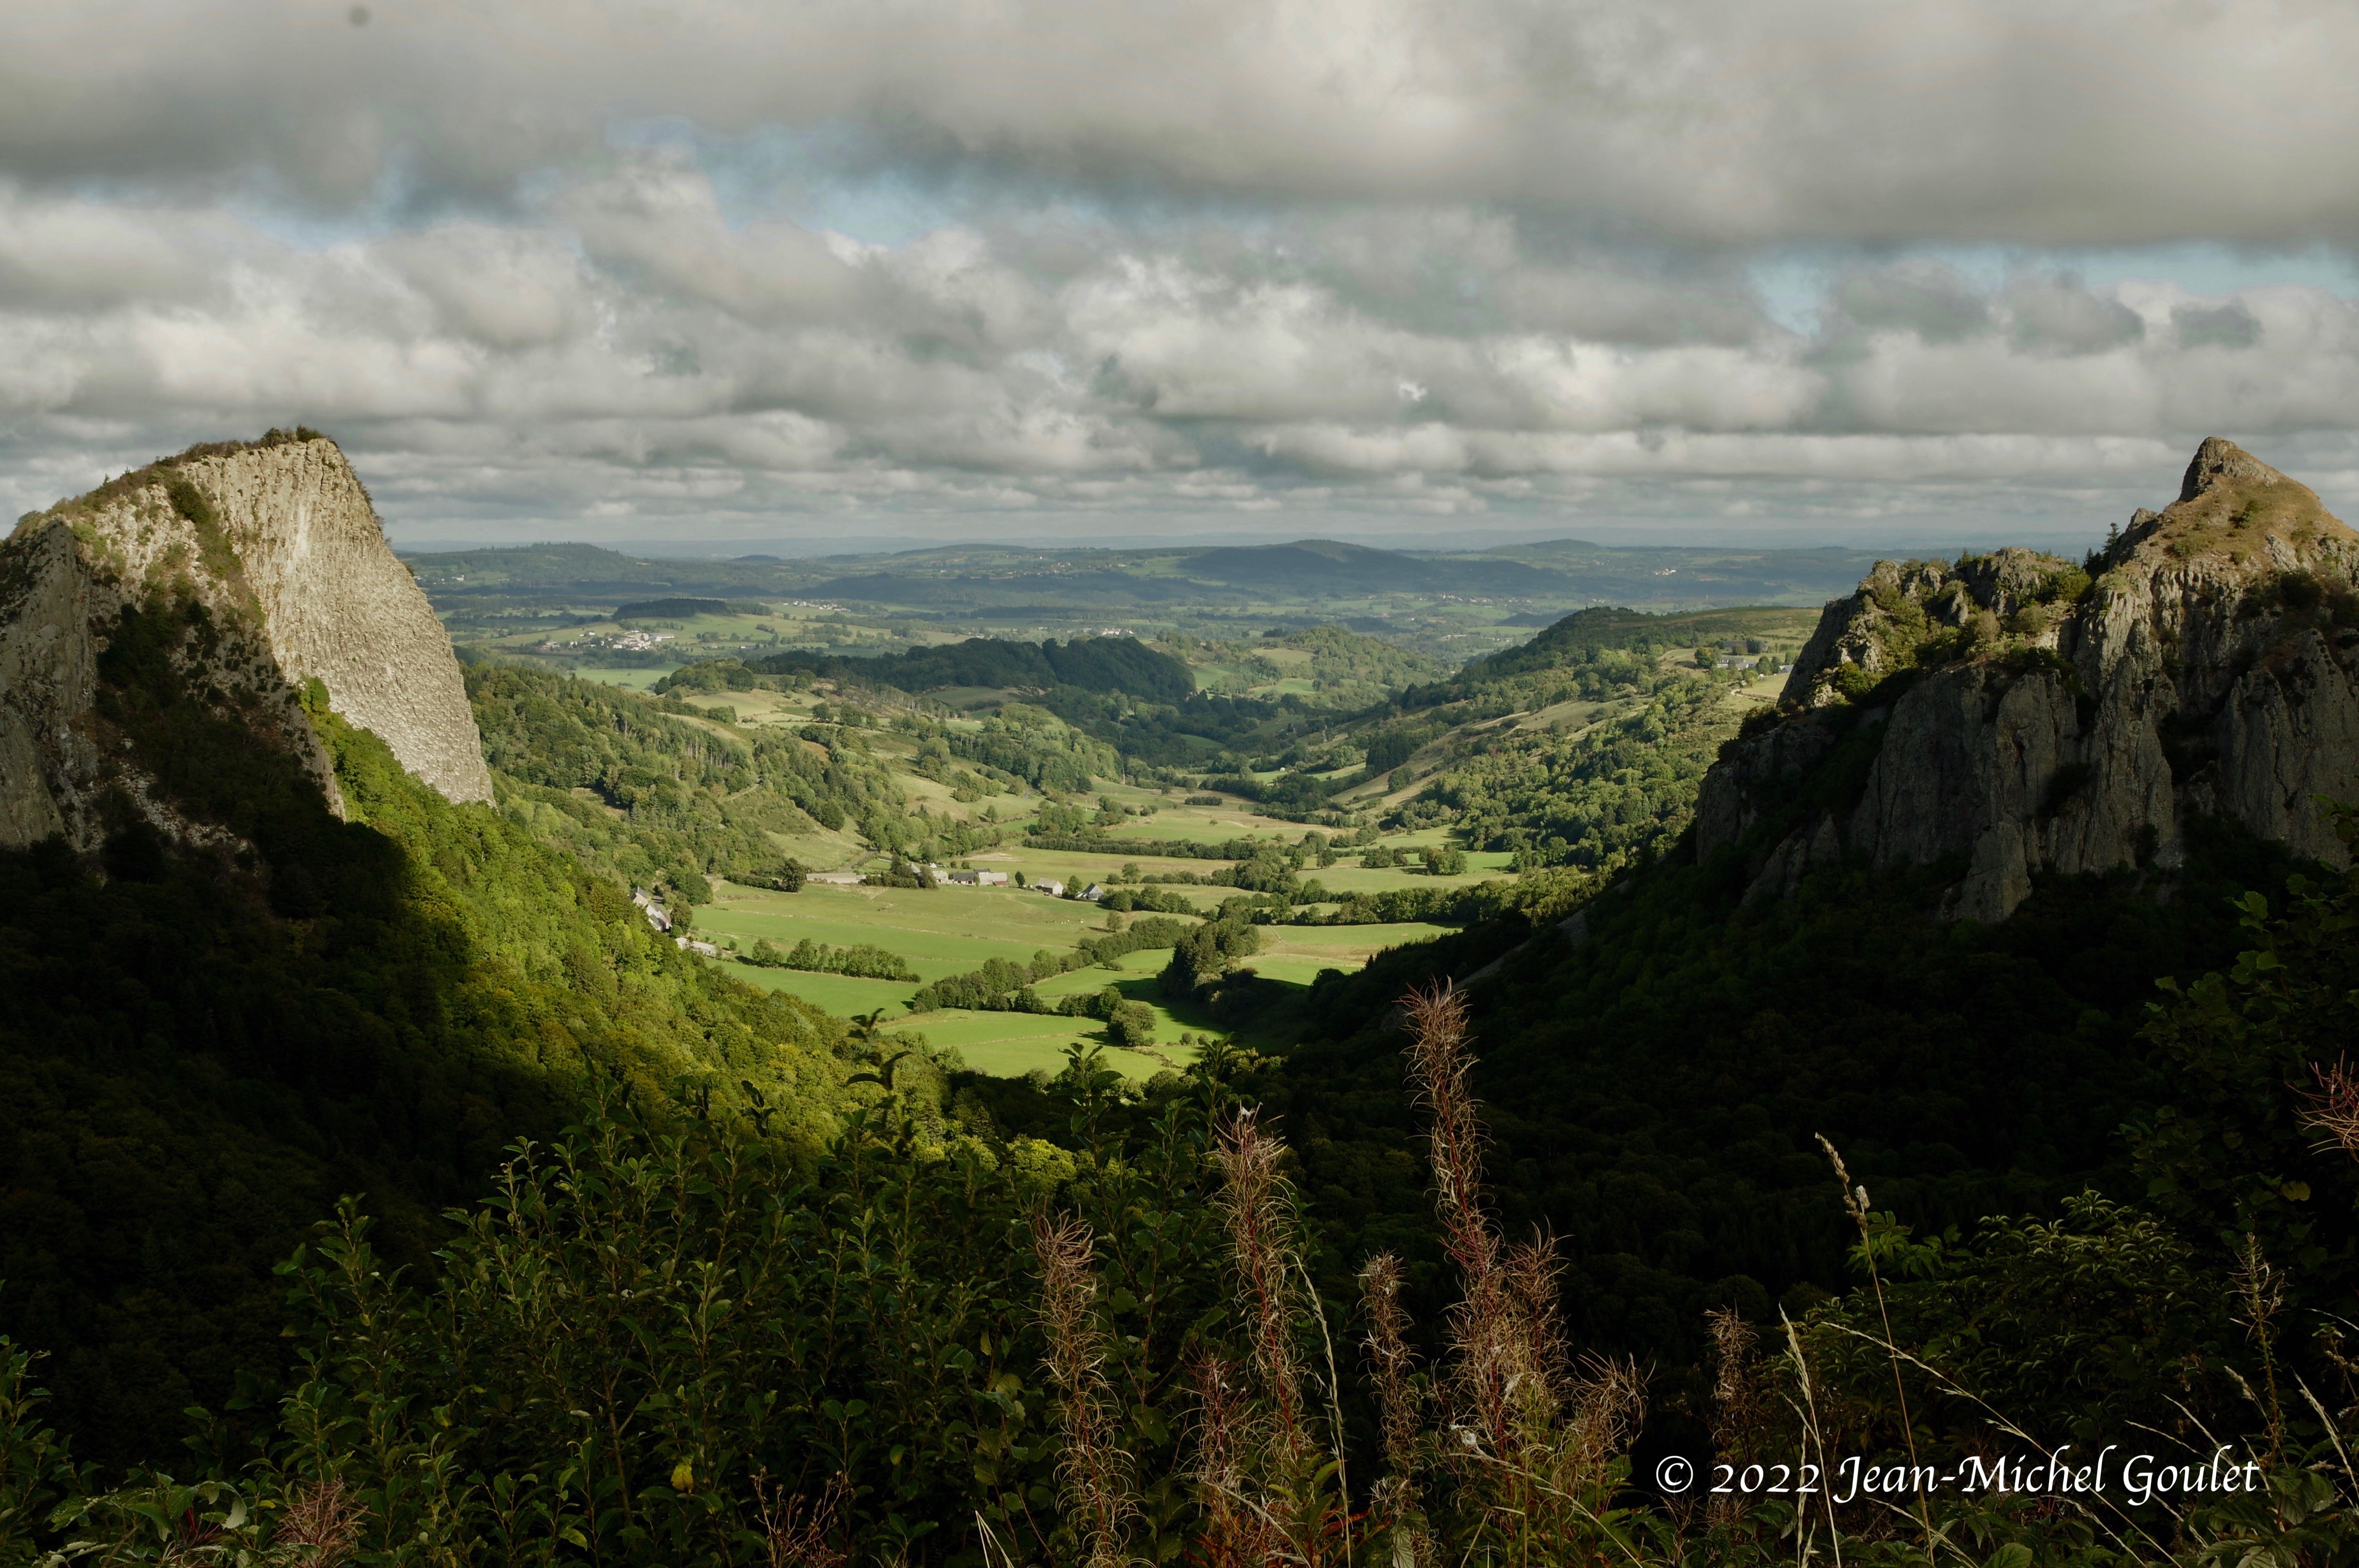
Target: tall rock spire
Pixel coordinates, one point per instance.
(2012, 714)
(271, 555)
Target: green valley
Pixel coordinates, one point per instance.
(734, 783)
(925, 1099)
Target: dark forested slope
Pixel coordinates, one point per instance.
(201, 1049)
(1655, 1085)
(1662, 1064)
(1090, 664)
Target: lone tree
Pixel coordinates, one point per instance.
(1132, 1025)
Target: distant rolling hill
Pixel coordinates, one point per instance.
(1562, 573)
(1310, 566)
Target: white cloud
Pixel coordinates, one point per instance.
(622, 340)
(1363, 257)
(1725, 120)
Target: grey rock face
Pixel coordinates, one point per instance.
(338, 606)
(2212, 668)
(1884, 626)
(299, 583)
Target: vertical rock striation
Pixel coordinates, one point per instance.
(2009, 715)
(339, 607)
(269, 557)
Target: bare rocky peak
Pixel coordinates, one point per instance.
(2218, 463)
(2024, 713)
(2235, 515)
(277, 542)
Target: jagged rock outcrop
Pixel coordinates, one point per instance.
(2011, 715)
(275, 542)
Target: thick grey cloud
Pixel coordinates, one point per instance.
(556, 265)
(1722, 120)
(2054, 313)
(2229, 326)
(1927, 297)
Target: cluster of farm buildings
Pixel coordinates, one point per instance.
(961, 879)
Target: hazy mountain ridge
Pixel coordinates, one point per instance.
(1567, 570)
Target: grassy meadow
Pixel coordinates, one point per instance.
(947, 931)
(941, 931)
(950, 930)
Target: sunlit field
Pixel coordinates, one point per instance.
(951, 930)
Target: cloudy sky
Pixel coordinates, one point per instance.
(832, 274)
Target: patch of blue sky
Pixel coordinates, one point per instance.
(310, 231)
(836, 174)
(1794, 281)
(826, 176)
(2210, 268)
(822, 177)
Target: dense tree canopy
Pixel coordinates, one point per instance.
(197, 1057)
(1087, 663)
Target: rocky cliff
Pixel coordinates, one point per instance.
(2016, 713)
(266, 563)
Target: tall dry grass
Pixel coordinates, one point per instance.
(1509, 1449)
(1236, 1532)
(1531, 1439)
(1736, 1407)
(1854, 1199)
(1509, 1452)
(1396, 1505)
(795, 1528)
(2332, 1107)
(1275, 1470)
(1099, 1496)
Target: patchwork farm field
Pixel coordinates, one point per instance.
(951, 930)
(841, 995)
(958, 768)
(941, 931)
(981, 777)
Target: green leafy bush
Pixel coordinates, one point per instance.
(1130, 1025)
(863, 960)
(646, 1344)
(2065, 586)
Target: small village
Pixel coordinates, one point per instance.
(631, 641)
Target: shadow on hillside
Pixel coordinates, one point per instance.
(201, 1050)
